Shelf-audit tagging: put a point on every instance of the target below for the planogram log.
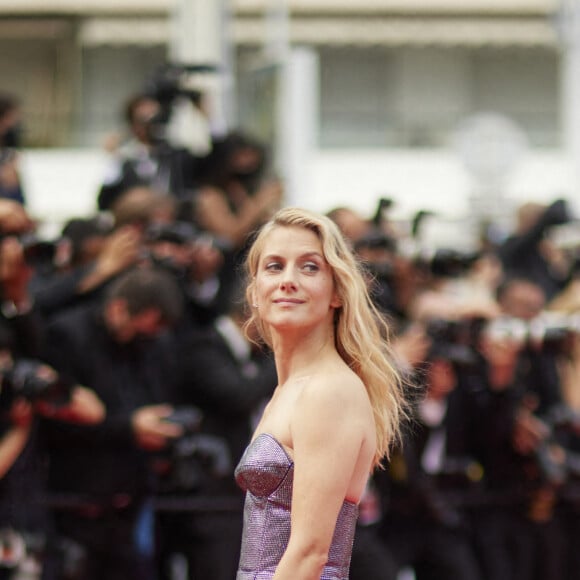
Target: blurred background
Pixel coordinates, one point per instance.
(462, 108)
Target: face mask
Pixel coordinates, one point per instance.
(11, 138)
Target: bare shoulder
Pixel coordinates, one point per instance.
(338, 393)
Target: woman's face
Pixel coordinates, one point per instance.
(294, 286)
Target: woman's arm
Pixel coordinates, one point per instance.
(215, 215)
(328, 431)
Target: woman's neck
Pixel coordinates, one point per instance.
(297, 357)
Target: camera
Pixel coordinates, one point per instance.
(188, 418)
(548, 332)
(37, 252)
(375, 240)
(196, 461)
(454, 340)
(448, 263)
(179, 235)
(170, 82)
(554, 464)
(193, 460)
(25, 379)
(179, 232)
(173, 80)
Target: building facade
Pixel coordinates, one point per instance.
(376, 92)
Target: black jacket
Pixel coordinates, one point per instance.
(104, 459)
(227, 386)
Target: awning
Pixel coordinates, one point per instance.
(84, 7)
(124, 31)
(118, 7)
(516, 7)
(468, 32)
(342, 31)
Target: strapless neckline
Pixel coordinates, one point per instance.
(266, 473)
(267, 435)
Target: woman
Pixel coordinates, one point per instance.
(336, 409)
(235, 196)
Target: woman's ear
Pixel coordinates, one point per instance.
(336, 302)
(254, 299)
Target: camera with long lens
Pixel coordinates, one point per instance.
(555, 465)
(548, 332)
(25, 379)
(454, 340)
(178, 232)
(193, 460)
(37, 252)
(449, 263)
(196, 462)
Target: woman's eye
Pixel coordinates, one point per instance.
(311, 267)
(273, 266)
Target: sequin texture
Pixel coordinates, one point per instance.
(266, 473)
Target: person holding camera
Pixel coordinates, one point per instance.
(528, 253)
(432, 478)
(228, 379)
(30, 392)
(235, 195)
(204, 269)
(520, 396)
(102, 475)
(148, 158)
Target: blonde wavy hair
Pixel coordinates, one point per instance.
(361, 332)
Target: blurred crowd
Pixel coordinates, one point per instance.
(129, 388)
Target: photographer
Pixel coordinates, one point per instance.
(426, 524)
(228, 378)
(101, 476)
(235, 194)
(32, 391)
(375, 241)
(203, 267)
(523, 473)
(529, 254)
(148, 158)
(96, 256)
(29, 391)
(458, 286)
(98, 249)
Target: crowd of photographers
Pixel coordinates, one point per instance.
(129, 389)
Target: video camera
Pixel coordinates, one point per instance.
(173, 80)
(25, 379)
(170, 82)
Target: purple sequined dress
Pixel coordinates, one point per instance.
(266, 473)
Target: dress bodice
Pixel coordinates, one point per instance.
(266, 473)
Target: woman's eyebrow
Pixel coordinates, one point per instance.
(314, 254)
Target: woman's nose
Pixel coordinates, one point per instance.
(288, 280)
